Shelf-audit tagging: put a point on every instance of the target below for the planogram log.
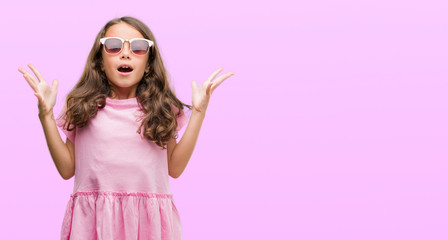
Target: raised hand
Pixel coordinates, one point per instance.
(45, 94)
(201, 94)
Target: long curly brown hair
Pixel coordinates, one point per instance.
(154, 95)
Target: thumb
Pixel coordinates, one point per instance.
(55, 85)
(193, 84)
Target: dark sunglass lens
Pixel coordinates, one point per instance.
(113, 45)
(140, 47)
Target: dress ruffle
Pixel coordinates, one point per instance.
(103, 215)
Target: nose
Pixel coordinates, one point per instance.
(126, 51)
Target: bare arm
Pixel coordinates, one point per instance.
(62, 153)
(179, 153)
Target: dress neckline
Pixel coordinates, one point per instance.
(122, 102)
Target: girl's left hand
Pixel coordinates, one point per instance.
(201, 95)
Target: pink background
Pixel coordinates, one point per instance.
(333, 127)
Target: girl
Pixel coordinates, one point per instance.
(121, 121)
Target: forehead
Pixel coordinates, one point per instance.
(123, 30)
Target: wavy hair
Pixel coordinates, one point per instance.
(157, 101)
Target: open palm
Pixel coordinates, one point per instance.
(44, 93)
(201, 94)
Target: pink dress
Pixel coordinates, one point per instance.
(121, 188)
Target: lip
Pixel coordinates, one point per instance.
(125, 73)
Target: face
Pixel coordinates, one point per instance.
(124, 83)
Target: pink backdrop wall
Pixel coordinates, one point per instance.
(333, 127)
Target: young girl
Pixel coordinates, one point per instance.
(121, 121)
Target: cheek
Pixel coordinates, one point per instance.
(107, 66)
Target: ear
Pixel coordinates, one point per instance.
(147, 68)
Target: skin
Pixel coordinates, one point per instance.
(124, 86)
(178, 154)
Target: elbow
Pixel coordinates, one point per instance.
(174, 170)
(175, 174)
(67, 176)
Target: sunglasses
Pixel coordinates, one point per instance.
(114, 45)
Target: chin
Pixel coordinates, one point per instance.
(124, 84)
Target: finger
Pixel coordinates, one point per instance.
(221, 79)
(214, 74)
(194, 85)
(37, 73)
(21, 70)
(55, 85)
(31, 82)
(26, 73)
(207, 91)
(39, 97)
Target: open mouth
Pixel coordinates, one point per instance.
(125, 69)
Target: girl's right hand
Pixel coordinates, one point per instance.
(44, 93)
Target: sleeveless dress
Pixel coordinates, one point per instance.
(121, 188)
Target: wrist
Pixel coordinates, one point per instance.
(46, 116)
(198, 113)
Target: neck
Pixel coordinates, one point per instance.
(122, 93)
